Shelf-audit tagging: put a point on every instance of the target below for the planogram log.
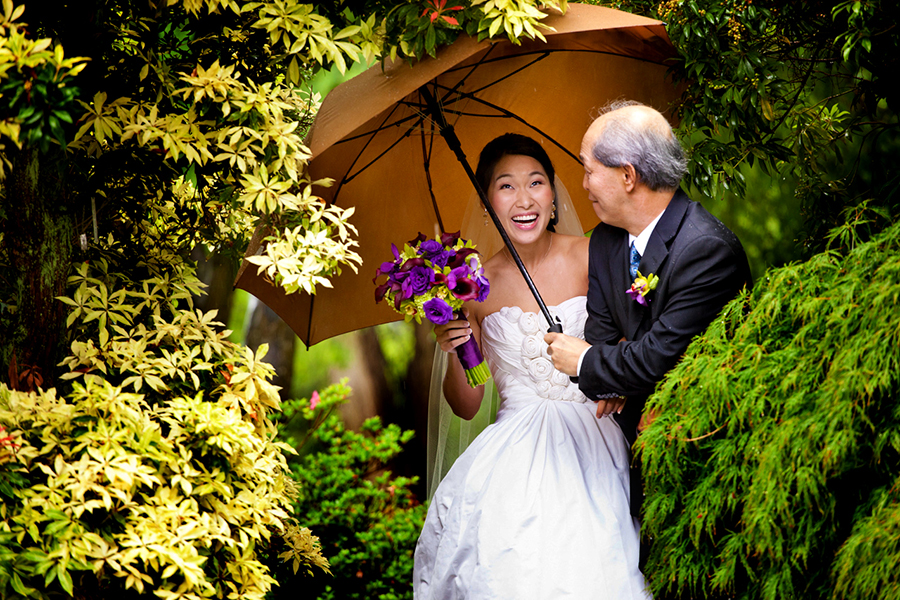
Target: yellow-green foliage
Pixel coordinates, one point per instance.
(21, 100)
(773, 469)
(158, 469)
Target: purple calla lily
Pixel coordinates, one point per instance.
(449, 239)
(418, 240)
(460, 258)
(465, 289)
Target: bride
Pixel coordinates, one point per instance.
(537, 507)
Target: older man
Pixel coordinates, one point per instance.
(661, 266)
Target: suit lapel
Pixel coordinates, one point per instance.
(656, 252)
(617, 267)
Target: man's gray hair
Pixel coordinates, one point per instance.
(655, 153)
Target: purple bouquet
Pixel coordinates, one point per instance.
(432, 278)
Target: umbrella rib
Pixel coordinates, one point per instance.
(371, 135)
(463, 79)
(351, 176)
(485, 60)
(385, 126)
(516, 117)
(538, 59)
(426, 156)
(417, 106)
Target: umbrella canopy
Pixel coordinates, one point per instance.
(374, 136)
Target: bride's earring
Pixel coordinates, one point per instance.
(553, 214)
(485, 217)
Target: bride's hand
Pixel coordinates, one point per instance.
(453, 333)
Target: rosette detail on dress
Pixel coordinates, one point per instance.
(545, 379)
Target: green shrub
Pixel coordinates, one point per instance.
(773, 470)
(152, 469)
(368, 520)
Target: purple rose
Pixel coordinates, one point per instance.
(434, 252)
(418, 282)
(441, 259)
(430, 247)
(438, 311)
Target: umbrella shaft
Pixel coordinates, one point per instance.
(449, 135)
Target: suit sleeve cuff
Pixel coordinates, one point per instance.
(581, 359)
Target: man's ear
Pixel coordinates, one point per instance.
(629, 177)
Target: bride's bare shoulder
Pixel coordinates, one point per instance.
(491, 263)
(575, 247)
(573, 242)
(499, 266)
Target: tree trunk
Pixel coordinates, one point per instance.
(267, 327)
(38, 243)
(372, 394)
(218, 274)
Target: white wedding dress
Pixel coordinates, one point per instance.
(538, 506)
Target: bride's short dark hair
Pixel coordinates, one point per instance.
(514, 144)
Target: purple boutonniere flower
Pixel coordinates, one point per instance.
(641, 287)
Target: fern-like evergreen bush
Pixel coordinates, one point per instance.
(773, 469)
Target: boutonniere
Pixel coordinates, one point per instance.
(641, 287)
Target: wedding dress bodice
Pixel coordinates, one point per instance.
(513, 344)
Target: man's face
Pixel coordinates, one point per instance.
(605, 185)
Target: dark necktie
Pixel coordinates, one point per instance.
(635, 260)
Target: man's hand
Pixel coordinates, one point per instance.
(646, 418)
(565, 351)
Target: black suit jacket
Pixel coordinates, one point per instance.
(701, 265)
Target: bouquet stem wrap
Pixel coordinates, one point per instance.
(473, 363)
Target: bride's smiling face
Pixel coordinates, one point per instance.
(522, 197)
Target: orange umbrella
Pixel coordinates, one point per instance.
(377, 135)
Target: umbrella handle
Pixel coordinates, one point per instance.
(449, 135)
